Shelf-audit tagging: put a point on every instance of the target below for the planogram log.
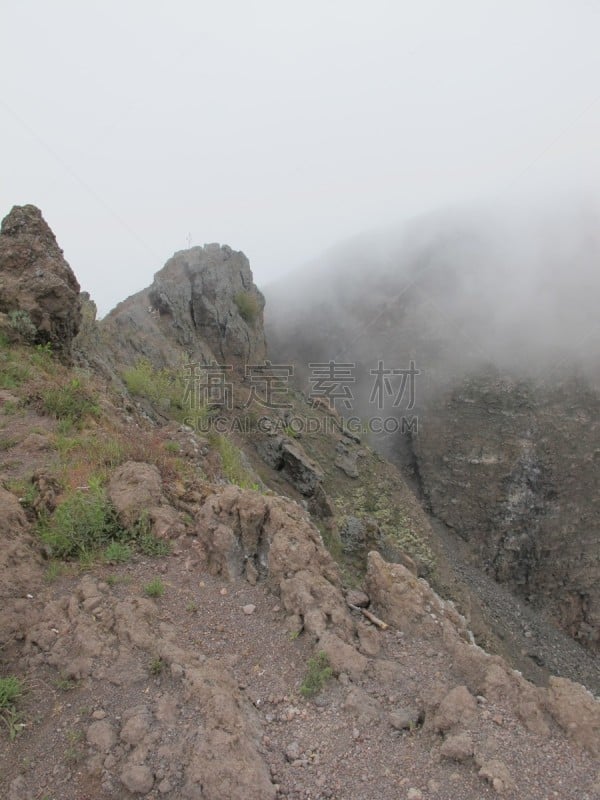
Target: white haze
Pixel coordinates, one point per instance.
(516, 286)
(282, 128)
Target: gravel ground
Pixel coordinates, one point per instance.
(532, 640)
(339, 745)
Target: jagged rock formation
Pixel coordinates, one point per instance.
(203, 305)
(39, 293)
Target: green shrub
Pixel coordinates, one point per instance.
(69, 402)
(117, 553)
(151, 545)
(11, 689)
(82, 524)
(20, 321)
(157, 666)
(155, 588)
(317, 675)
(232, 463)
(12, 373)
(248, 306)
(41, 356)
(162, 387)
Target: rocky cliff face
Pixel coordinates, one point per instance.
(508, 438)
(512, 468)
(203, 303)
(39, 293)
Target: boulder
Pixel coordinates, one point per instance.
(238, 526)
(576, 710)
(203, 304)
(39, 293)
(458, 707)
(135, 490)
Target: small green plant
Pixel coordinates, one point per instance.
(20, 321)
(155, 588)
(232, 463)
(74, 751)
(69, 402)
(147, 542)
(53, 571)
(64, 443)
(65, 684)
(162, 387)
(157, 666)
(248, 306)
(11, 689)
(10, 408)
(26, 491)
(114, 580)
(192, 607)
(13, 374)
(117, 553)
(42, 356)
(150, 545)
(82, 524)
(317, 675)
(172, 447)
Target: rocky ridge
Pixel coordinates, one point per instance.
(186, 676)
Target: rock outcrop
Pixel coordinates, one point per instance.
(39, 293)
(135, 490)
(202, 306)
(20, 566)
(244, 533)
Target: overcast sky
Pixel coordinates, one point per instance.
(281, 128)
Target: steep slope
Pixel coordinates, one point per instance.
(499, 324)
(179, 630)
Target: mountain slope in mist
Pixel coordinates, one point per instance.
(497, 310)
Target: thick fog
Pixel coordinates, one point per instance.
(513, 286)
(280, 129)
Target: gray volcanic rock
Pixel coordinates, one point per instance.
(203, 304)
(506, 394)
(39, 292)
(511, 467)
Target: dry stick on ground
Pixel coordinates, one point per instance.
(371, 617)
